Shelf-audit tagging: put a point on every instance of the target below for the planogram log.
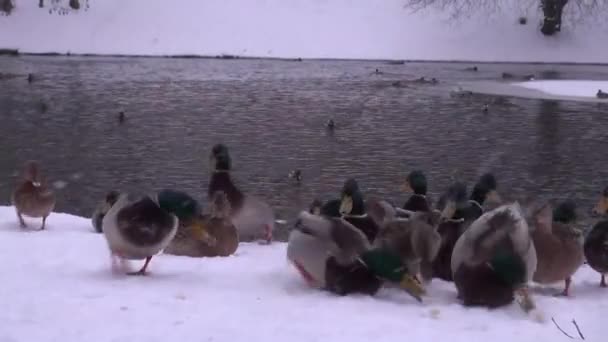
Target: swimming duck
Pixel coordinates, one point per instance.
(32, 197)
(222, 239)
(416, 183)
(559, 246)
(331, 254)
(601, 95)
(494, 260)
(140, 228)
(352, 208)
(102, 209)
(253, 218)
(453, 205)
(414, 239)
(596, 241)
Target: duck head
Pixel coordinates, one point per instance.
(315, 207)
(485, 189)
(220, 158)
(31, 173)
(601, 208)
(416, 183)
(455, 198)
(351, 199)
(187, 210)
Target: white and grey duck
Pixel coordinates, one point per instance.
(253, 218)
(137, 228)
(332, 254)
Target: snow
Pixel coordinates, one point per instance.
(57, 285)
(579, 88)
(352, 29)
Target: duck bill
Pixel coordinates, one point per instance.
(494, 197)
(200, 233)
(601, 207)
(524, 299)
(413, 287)
(448, 211)
(346, 206)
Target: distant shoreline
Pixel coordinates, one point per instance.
(17, 53)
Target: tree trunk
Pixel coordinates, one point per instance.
(6, 6)
(75, 4)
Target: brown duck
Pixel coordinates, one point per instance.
(596, 241)
(559, 246)
(224, 236)
(32, 197)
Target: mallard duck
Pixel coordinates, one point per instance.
(559, 246)
(601, 94)
(415, 239)
(253, 218)
(494, 260)
(352, 208)
(102, 209)
(453, 205)
(416, 183)
(32, 197)
(596, 241)
(137, 229)
(222, 239)
(331, 254)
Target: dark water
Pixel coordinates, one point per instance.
(272, 115)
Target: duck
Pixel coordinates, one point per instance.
(601, 94)
(484, 190)
(495, 259)
(32, 196)
(330, 208)
(414, 239)
(452, 206)
(332, 254)
(222, 239)
(253, 218)
(595, 246)
(102, 209)
(559, 246)
(296, 175)
(138, 228)
(352, 209)
(416, 183)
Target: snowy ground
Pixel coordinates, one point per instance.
(361, 29)
(56, 285)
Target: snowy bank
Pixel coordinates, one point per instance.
(580, 88)
(56, 285)
(360, 29)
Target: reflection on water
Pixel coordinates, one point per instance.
(272, 115)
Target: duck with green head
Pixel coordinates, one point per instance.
(221, 238)
(559, 245)
(139, 228)
(416, 183)
(495, 259)
(332, 254)
(253, 218)
(352, 209)
(596, 241)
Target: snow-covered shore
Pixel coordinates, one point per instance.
(56, 285)
(351, 29)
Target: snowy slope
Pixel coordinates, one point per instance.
(295, 28)
(56, 286)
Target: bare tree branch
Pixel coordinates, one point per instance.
(578, 329)
(560, 329)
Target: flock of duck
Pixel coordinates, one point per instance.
(355, 245)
